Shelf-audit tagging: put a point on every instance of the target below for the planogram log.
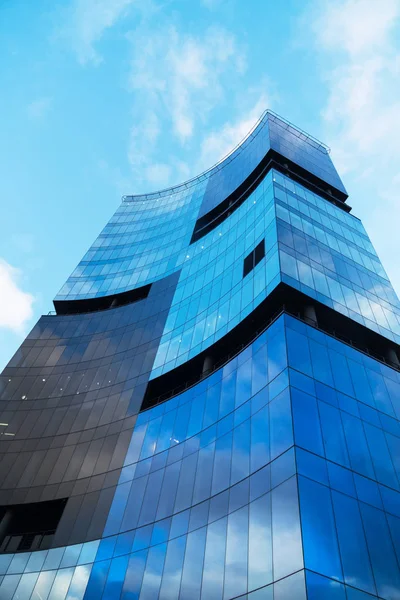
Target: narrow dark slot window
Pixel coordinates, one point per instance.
(254, 258)
(259, 252)
(248, 264)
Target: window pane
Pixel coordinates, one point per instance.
(236, 554)
(321, 551)
(286, 535)
(353, 549)
(260, 542)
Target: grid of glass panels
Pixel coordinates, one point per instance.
(68, 403)
(277, 477)
(326, 253)
(309, 154)
(212, 296)
(285, 459)
(323, 251)
(346, 410)
(144, 241)
(223, 181)
(208, 483)
(148, 237)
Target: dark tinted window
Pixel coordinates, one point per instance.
(254, 258)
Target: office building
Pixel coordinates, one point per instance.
(213, 410)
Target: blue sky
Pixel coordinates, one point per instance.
(108, 97)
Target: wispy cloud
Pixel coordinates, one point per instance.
(182, 73)
(358, 46)
(15, 304)
(177, 80)
(218, 143)
(39, 107)
(84, 23)
(363, 106)
(356, 26)
(158, 173)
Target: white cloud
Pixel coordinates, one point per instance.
(177, 80)
(363, 107)
(85, 22)
(356, 26)
(180, 74)
(158, 173)
(358, 45)
(15, 304)
(39, 107)
(217, 144)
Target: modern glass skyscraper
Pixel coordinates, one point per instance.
(214, 410)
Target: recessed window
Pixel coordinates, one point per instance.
(29, 526)
(254, 258)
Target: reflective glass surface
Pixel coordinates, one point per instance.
(310, 244)
(148, 237)
(346, 409)
(68, 401)
(212, 296)
(323, 251)
(326, 253)
(277, 475)
(284, 459)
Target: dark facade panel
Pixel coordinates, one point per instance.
(69, 400)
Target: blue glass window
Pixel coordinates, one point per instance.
(321, 552)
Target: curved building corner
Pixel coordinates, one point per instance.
(213, 411)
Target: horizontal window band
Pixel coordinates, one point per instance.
(283, 299)
(74, 307)
(29, 526)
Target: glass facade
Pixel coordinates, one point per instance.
(148, 236)
(276, 474)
